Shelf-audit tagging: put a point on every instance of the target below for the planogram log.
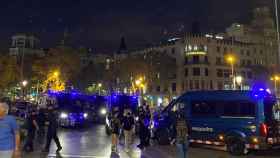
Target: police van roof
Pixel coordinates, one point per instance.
(227, 95)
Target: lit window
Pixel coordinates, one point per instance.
(205, 48)
(195, 47)
(190, 47)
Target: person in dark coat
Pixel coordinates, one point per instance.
(115, 126)
(41, 120)
(32, 127)
(52, 130)
(144, 122)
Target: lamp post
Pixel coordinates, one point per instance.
(24, 84)
(99, 88)
(231, 61)
(275, 78)
(140, 85)
(277, 28)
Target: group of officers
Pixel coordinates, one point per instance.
(126, 123)
(36, 123)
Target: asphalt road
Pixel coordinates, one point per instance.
(94, 143)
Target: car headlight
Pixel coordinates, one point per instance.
(85, 115)
(107, 122)
(103, 111)
(63, 115)
(136, 118)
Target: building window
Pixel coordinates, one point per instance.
(255, 50)
(196, 71)
(218, 49)
(249, 74)
(158, 88)
(206, 72)
(225, 50)
(173, 87)
(227, 73)
(195, 59)
(186, 72)
(218, 61)
(242, 52)
(261, 52)
(249, 63)
(196, 84)
(186, 60)
(173, 50)
(186, 85)
(219, 73)
(220, 86)
(243, 74)
(248, 53)
(202, 85)
(191, 85)
(206, 59)
(243, 62)
(211, 84)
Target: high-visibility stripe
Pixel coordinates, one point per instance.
(206, 142)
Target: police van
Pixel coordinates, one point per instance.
(238, 120)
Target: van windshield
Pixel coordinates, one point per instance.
(272, 110)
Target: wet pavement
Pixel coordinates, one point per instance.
(94, 143)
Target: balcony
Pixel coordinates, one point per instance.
(197, 63)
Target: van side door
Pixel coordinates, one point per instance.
(203, 118)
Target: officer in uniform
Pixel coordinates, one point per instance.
(52, 130)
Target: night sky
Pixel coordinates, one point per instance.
(99, 24)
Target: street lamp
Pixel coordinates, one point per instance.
(24, 83)
(239, 80)
(55, 74)
(99, 88)
(230, 59)
(275, 78)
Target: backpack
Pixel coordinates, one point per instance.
(128, 123)
(181, 131)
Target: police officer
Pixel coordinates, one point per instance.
(32, 127)
(41, 119)
(143, 127)
(115, 126)
(52, 130)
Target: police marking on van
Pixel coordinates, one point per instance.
(202, 129)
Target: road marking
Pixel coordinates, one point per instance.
(73, 156)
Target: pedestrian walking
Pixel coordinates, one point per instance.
(115, 126)
(9, 134)
(182, 133)
(128, 125)
(52, 130)
(32, 127)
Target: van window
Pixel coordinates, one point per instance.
(179, 106)
(203, 108)
(239, 109)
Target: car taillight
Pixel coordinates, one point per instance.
(263, 130)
